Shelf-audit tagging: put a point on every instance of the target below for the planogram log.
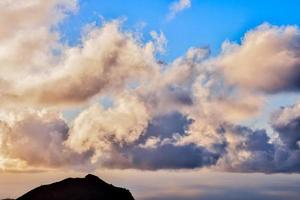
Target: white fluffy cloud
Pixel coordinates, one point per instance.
(27, 35)
(37, 69)
(267, 60)
(98, 129)
(106, 60)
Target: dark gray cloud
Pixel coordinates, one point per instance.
(242, 150)
(166, 155)
(170, 156)
(289, 132)
(166, 125)
(286, 123)
(160, 146)
(251, 151)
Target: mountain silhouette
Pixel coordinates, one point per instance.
(89, 188)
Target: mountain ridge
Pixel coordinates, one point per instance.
(90, 187)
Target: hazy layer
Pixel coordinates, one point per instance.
(162, 185)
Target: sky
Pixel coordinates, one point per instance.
(201, 94)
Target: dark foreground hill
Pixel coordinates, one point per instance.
(89, 188)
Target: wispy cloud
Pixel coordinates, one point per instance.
(177, 7)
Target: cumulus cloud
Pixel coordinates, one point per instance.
(178, 6)
(35, 139)
(26, 15)
(267, 60)
(38, 69)
(42, 139)
(183, 114)
(157, 148)
(27, 35)
(107, 59)
(286, 123)
(122, 124)
(246, 150)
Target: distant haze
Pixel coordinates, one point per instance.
(181, 185)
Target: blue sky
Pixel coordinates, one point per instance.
(208, 23)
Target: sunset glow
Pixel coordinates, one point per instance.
(188, 91)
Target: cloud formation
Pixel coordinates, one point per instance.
(267, 60)
(26, 37)
(189, 113)
(123, 124)
(35, 139)
(106, 59)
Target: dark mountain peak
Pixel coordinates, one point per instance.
(94, 179)
(88, 188)
(91, 176)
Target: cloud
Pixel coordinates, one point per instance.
(30, 14)
(106, 61)
(39, 70)
(231, 148)
(169, 156)
(28, 35)
(179, 115)
(178, 6)
(267, 60)
(287, 125)
(43, 139)
(159, 41)
(246, 150)
(123, 124)
(254, 151)
(35, 139)
(157, 148)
